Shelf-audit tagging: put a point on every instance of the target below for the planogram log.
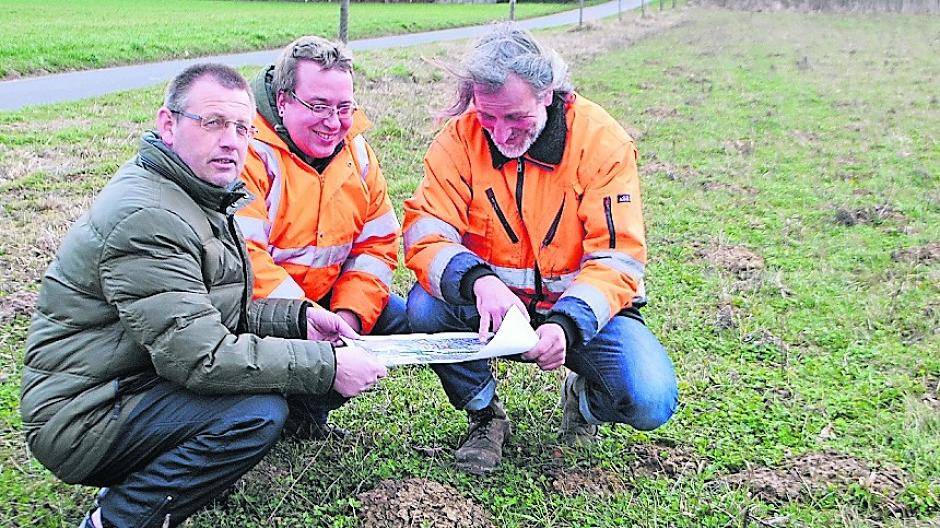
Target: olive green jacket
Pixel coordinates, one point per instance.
(153, 281)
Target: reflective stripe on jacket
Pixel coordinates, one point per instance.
(312, 234)
(577, 247)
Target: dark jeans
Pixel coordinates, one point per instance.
(179, 450)
(392, 320)
(628, 375)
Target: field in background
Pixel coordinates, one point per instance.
(39, 36)
(790, 173)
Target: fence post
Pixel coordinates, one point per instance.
(344, 21)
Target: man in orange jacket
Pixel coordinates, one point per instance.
(321, 226)
(531, 199)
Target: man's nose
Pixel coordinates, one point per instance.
(229, 137)
(502, 132)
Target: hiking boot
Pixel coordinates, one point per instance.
(574, 430)
(482, 450)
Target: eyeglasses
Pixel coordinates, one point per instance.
(326, 111)
(217, 124)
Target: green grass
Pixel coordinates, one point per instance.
(39, 36)
(746, 143)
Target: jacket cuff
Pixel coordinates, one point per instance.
(567, 324)
(453, 277)
(470, 278)
(580, 314)
(284, 318)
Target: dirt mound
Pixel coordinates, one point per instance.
(874, 215)
(739, 146)
(928, 254)
(673, 172)
(726, 318)
(661, 112)
(419, 502)
(592, 482)
(19, 303)
(815, 473)
(736, 260)
(660, 460)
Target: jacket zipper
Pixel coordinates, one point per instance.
(554, 227)
(246, 300)
(502, 217)
(610, 222)
(539, 294)
(156, 513)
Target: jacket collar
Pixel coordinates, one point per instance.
(549, 147)
(275, 133)
(154, 156)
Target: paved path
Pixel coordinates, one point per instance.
(77, 85)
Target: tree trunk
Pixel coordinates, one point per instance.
(581, 15)
(512, 9)
(643, 8)
(620, 10)
(344, 21)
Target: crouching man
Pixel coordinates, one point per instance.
(148, 369)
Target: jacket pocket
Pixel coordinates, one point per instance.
(608, 212)
(553, 229)
(491, 196)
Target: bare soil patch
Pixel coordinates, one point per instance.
(927, 254)
(873, 215)
(812, 474)
(671, 171)
(738, 261)
(726, 318)
(19, 303)
(661, 460)
(661, 112)
(744, 147)
(932, 393)
(595, 482)
(419, 502)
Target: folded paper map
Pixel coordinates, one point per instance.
(514, 336)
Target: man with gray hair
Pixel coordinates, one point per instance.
(148, 370)
(321, 226)
(531, 199)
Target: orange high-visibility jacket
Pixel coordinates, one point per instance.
(562, 226)
(310, 234)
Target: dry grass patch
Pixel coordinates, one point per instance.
(419, 502)
(595, 482)
(813, 474)
(738, 261)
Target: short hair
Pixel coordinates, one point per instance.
(226, 76)
(508, 48)
(327, 54)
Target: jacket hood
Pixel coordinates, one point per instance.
(274, 133)
(154, 155)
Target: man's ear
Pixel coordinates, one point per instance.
(547, 97)
(281, 101)
(166, 125)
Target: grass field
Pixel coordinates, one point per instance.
(40, 36)
(790, 171)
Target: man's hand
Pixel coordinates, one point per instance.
(351, 319)
(493, 301)
(324, 325)
(549, 352)
(356, 371)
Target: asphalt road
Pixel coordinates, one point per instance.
(73, 86)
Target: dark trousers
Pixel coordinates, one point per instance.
(179, 450)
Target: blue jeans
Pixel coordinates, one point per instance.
(628, 375)
(179, 450)
(392, 320)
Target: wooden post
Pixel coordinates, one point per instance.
(344, 21)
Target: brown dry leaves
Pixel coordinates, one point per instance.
(419, 502)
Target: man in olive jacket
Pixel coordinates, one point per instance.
(148, 370)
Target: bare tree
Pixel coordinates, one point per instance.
(344, 21)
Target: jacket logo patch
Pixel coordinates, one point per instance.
(623, 198)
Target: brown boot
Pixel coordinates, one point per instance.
(482, 450)
(574, 430)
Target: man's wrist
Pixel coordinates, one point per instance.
(469, 279)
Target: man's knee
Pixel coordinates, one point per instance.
(652, 405)
(424, 311)
(260, 417)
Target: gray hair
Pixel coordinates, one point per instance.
(509, 48)
(327, 54)
(226, 76)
